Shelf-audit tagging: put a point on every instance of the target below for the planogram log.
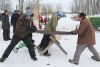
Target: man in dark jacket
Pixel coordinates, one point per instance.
(0, 16)
(5, 25)
(21, 33)
(14, 19)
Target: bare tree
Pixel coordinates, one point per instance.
(98, 6)
(36, 8)
(49, 8)
(58, 7)
(21, 5)
(46, 9)
(90, 7)
(5, 4)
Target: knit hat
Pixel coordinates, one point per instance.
(28, 13)
(61, 14)
(5, 11)
(15, 11)
(81, 14)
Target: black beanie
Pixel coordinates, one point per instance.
(82, 14)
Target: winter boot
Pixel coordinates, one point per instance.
(33, 41)
(73, 62)
(95, 58)
(2, 59)
(34, 58)
(46, 54)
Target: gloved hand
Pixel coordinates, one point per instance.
(33, 29)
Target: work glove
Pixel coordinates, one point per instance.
(33, 29)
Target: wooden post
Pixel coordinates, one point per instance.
(36, 13)
(21, 5)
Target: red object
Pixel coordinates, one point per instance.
(45, 20)
(40, 18)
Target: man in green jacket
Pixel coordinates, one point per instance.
(50, 27)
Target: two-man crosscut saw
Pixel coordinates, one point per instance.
(54, 32)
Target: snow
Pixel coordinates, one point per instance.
(57, 58)
(97, 15)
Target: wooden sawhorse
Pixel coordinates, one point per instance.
(53, 40)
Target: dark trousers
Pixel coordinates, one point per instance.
(15, 41)
(14, 27)
(6, 34)
(45, 42)
(30, 35)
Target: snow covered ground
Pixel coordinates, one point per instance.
(57, 58)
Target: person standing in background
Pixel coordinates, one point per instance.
(14, 19)
(5, 25)
(45, 20)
